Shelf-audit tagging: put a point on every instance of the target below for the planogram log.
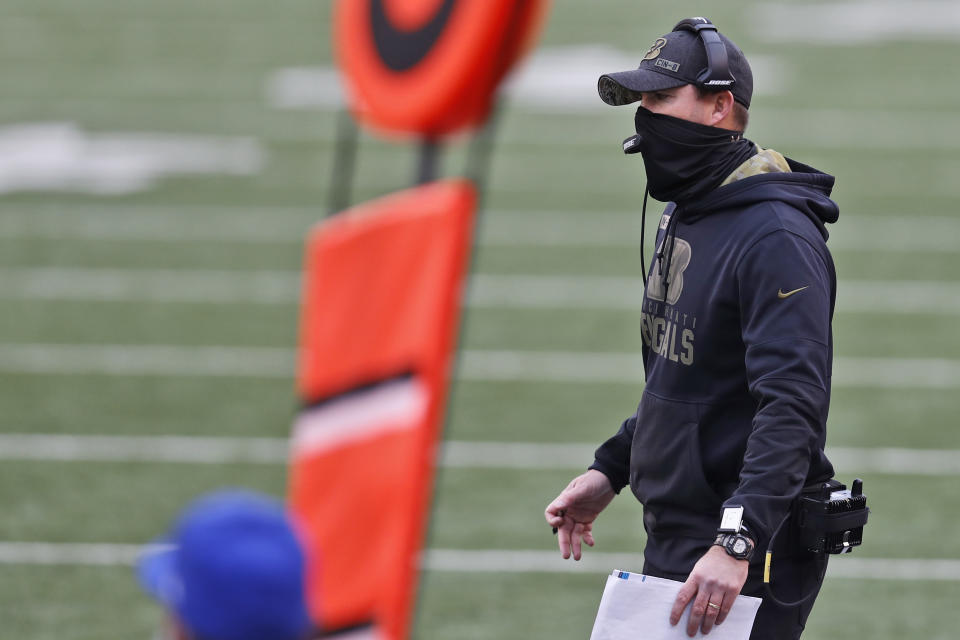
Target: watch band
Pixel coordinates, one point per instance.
(736, 545)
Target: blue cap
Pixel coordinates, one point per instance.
(231, 569)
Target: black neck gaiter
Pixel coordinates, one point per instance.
(683, 159)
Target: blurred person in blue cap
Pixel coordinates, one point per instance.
(737, 345)
(232, 568)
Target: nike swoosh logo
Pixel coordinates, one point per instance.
(402, 50)
(782, 295)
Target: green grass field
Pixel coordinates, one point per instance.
(82, 268)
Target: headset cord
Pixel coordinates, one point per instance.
(669, 237)
(643, 228)
(766, 572)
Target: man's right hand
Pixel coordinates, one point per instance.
(575, 509)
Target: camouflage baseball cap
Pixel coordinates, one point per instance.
(673, 60)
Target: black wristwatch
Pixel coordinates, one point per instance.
(735, 544)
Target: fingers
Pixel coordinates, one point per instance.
(563, 538)
(571, 535)
(698, 612)
(714, 607)
(555, 511)
(686, 593)
(582, 533)
(725, 607)
(571, 530)
(555, 515)
(588, 535)
(705, 611)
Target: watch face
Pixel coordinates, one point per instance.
(739, 546)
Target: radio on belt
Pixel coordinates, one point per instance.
(830, 518)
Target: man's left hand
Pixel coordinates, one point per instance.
(712, 586)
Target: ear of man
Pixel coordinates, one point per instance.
(721, 109)
(726, 112)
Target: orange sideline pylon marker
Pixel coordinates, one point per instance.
(381, 304)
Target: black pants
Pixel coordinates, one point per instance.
(792, 578)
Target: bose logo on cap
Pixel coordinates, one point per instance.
(722, 82)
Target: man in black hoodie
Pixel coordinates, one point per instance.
(737, 345)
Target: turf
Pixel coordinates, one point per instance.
(188, 68)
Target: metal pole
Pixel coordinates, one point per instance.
(344, 163)
(480, 153)
(429, 161)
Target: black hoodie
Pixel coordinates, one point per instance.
(737, 351)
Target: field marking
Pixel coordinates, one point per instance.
(622, 293)
(483, 365)
(559, 366)
(212, 286)
(455, 454)
(146, 223)
(60, 156)
(484, 561)
(558, 79)
(573, 456)
(855, 23)
(502, 228)
(147, 360)
(853, 232)
(516, 561)
(156, 449)
(150, 285)
(562, 80)
(73, 553)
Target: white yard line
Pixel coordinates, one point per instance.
(611, 292)
(486, 561)
(514, 561)
(554, 366)
(896, 460)
(158, 449)
(146, 360)
(552, 79)
(855, 23)
(485, 291)
(562, 80)
(456, 454)
(905, 233)
(853, 232)
(189, 223)
(150, 285)
(489, 365)
(573, 456)
(61, 156)
(70, 553)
